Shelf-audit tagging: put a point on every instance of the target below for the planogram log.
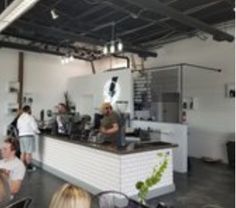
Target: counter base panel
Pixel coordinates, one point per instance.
(98, 170)
(152, 194)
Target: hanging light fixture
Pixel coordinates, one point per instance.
(67, 59)
(112, 47)
(105, 50)
(120, 46)
(71, 58)
(62, 60)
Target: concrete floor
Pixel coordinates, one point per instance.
(205, 186)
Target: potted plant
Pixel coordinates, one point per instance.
(69, 105)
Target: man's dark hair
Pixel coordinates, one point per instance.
(13, 142)
(63, 105)
(26, 109)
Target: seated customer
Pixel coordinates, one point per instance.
(5, 193)
(11, 166)
(69, 196)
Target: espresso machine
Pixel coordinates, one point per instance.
(121, 107)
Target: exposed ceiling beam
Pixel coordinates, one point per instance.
(160, 8)
(136, 29)
(61, 33)
(76, 37)
(91, 11)
(168, 39)
(137, 15)
(189, 11)
(103, 16)
(152, 35)
(32, 42)
(230, 2)
(34, 49)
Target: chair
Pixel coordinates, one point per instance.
(112, 199)
(115, 199)
(22, 203)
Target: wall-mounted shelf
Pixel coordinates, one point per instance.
(12, 104)
(13, 87)
(12, 108)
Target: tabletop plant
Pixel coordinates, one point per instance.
(157, 173)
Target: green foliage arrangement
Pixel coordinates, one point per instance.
(158, 170)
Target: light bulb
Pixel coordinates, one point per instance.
(62, 60)
(105, 50)
(112, 48)
(71, 58)
(120, 46)
(66, 60)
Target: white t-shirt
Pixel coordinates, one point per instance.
(27, 125)
(60, 125)
(15, 167)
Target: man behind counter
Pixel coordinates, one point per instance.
(110, 128)
(61, 120)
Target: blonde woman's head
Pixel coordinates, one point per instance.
(5, 193)
(69, 196)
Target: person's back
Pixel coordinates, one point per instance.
(27, 128)
(26, 125)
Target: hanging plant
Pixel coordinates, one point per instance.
(157, 173)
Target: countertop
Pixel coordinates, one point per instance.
(129, 149)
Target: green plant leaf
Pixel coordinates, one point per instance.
(157, 173)
(139, 185)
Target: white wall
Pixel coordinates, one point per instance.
(88, 91)
(213, 122)
(44, 76)
(109, 63)
(8, 72)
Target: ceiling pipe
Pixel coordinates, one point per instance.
(93, 67)
(125, 58)
(181, 65)
(160, 8)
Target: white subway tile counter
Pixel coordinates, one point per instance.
(99, 168)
